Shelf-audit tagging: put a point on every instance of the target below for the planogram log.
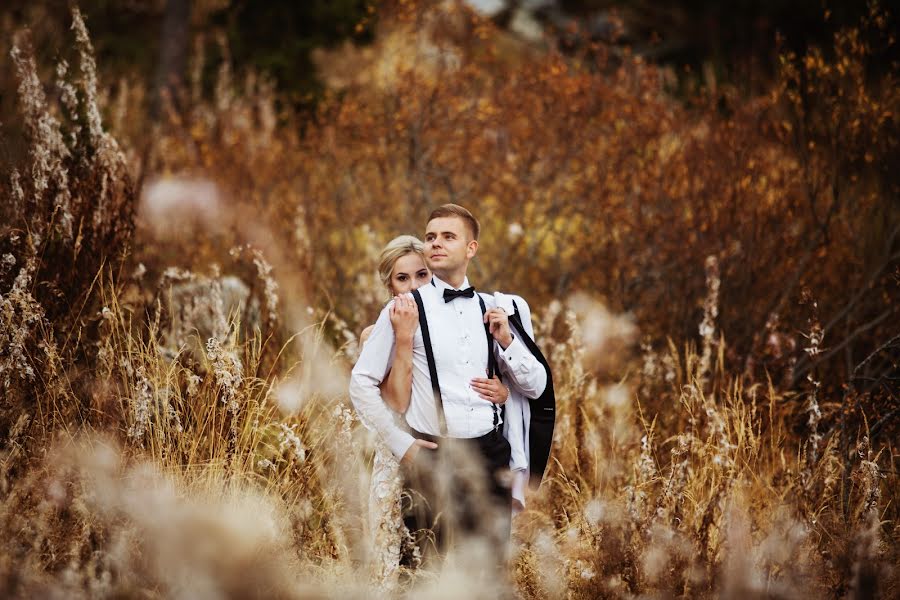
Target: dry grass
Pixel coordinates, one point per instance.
(174, 362)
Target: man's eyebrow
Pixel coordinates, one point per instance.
(436, 233)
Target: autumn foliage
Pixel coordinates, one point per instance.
(714, 278)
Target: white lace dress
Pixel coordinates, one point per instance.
(385, 516)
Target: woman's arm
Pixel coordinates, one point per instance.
(368, 372)
(397, 386)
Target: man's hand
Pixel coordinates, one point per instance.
(409, 458)
(498, 321)
(491, 390)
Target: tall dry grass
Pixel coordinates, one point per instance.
(174, 351)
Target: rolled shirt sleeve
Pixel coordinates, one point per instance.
(368, 373)
(514, 430)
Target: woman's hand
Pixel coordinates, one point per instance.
(396, 389)
(409, 459)
(404, 318)
(491, 390)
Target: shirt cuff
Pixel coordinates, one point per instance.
(517, 460)
(519, 485)
(515, 353)
(399, 442)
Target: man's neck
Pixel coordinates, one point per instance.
(454, 280)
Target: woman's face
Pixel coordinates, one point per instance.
(409, 273)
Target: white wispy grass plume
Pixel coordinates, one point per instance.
(169, 204)
(186, 540)
(603, 333)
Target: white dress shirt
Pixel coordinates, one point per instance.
(460, 352)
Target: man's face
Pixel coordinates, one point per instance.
(448, 244)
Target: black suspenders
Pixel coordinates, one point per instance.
(492, 360)
(432, 367)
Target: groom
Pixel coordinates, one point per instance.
(466, 334)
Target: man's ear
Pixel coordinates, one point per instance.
(472, 249)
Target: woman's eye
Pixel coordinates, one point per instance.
(401, 278)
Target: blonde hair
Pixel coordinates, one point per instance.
(396, 249)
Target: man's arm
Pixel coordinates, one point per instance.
(513, 357)
(365, 394)
(522, 367)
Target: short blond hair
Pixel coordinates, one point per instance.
(396, 249)
(460, 212)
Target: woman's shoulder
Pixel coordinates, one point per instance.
(365, 334)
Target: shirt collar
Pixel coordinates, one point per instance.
(443, 285)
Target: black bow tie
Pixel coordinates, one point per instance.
(449, 294)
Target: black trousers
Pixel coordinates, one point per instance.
(461, 489)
